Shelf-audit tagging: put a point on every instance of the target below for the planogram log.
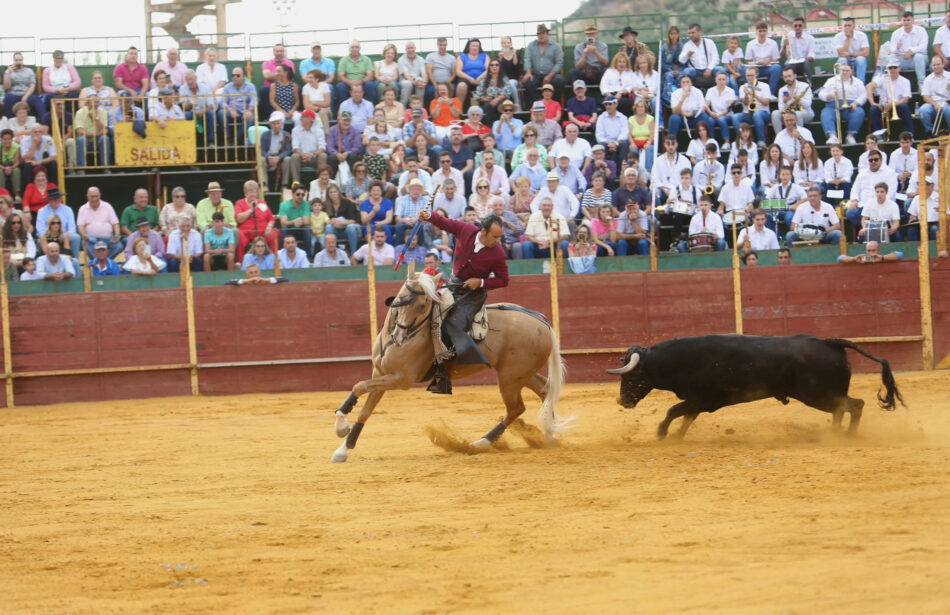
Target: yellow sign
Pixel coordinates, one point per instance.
(176, 144)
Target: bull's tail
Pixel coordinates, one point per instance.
(550, 421)
(891, 396)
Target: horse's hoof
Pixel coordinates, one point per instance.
(342, 426)
(341, 454)
(481, 444)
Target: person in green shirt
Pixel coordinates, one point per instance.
(294, 215)
(355, 68)
(219, 245)
(207, 206)
(138, 209)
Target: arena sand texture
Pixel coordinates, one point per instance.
(230, 505)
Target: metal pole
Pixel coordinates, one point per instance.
(190, 307)
(5, 313)
(555, 241)
(86, 271)
(736, 280)
(371, 282)
(944, 199)
(653, 218)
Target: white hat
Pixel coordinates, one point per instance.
(276, 116)
(416, 182)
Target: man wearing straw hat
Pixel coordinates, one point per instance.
(212, 203)
(543, 61)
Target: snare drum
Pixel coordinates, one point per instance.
(681, 207)
(734, 217)
(811, 233)
(773, 206)
(702, 242)
(877, 231)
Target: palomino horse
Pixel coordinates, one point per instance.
(518, 345)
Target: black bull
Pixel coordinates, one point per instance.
(714, 371)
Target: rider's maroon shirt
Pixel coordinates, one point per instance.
(468, 263)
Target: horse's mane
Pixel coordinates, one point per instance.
(428, 285)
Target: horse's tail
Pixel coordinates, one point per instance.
(550, 421)
(892, 395)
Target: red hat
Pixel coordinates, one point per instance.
(309, 113)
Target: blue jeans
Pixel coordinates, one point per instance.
(928, 115)
(691, 72)
(683, 246)
(531, 250)
(831, 238)
(103, 151)
(34, 101)
(918, 62)
(626, 246)
(773, 73)
(860, 66)
(233, 128)
(114, 246)
(351, 233)
(913, 232)
(646, 155)
(676, 122)
(342, 91)
(903, 112)
(853, 119)
(723, 124)
(759, 119)
(174, 265)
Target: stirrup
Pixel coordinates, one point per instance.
(441, 384)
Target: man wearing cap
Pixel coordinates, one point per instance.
(344, 143)
(601, 165)
(238, 107)
(508, 128)
(174, 251)
(582, 109)
(549, 131)
(57, 208)
(277, 147)
(294, 215)
(143, 230)
(631, 46)
(406, 211)
(440, 67)
(569, 176)
(102, 265)
(418, 124)
(140, 208)
(479, 266)
(197, 102)
(309, 146)
(360, 108)
(577, 149)
(613, 131)
(543, 62)
(97, 222)
(213, 203)
(353, 69)
(565, 202)
(319, 62)
(885, 86)
(412, 74)
(60, 79)
(590, 57)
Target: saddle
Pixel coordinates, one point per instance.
(479, 329)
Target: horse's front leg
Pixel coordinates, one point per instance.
(341, 454)
(379, 383)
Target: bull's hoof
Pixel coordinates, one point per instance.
(661, 431)
(342, 425)
(340, 455)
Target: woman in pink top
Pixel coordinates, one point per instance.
(604, 230)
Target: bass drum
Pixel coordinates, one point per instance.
(734, 217)
(877, 231)
(811, 233)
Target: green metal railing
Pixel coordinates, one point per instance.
(374, 38)
(10, 45)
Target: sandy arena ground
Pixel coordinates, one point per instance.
(230, 505)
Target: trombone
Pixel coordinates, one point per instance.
(837, 71)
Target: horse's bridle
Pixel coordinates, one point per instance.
(412, 328)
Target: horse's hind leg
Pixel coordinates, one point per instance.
(539, 385)
(341, 454)
(514, 405)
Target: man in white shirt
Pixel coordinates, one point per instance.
(736, 195)
(719, 100)
(446, 172)
(290, 257)
(562, 199)
(815, 213)
(700, 58)
(383, 253)
(909, 43)
(864, 188)
(892, 90)
(450, 199)
(760, 237)
(790, 138)
(941, 44)
(762, 52)
(577, 149)
(913, 186)
(710, 171)
(759, 92)
(932, 200)
(412, 74)
(904, 160)
(936, 92)
(853, 48)
(537, 242)
(881, 209)
(798, 49)
(705, 221)
(787, 94)
(613, 131)
(309, 146)
(174, 252)
(687, 104)
(848, 92)
(666, 170)
(793, 194)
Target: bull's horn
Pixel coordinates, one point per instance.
(629, 367)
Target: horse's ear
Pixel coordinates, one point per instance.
(412, 270)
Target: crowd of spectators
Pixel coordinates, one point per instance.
(483, 132)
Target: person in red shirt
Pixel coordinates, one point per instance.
(478, 254)
(35, 195)
(254, 218)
